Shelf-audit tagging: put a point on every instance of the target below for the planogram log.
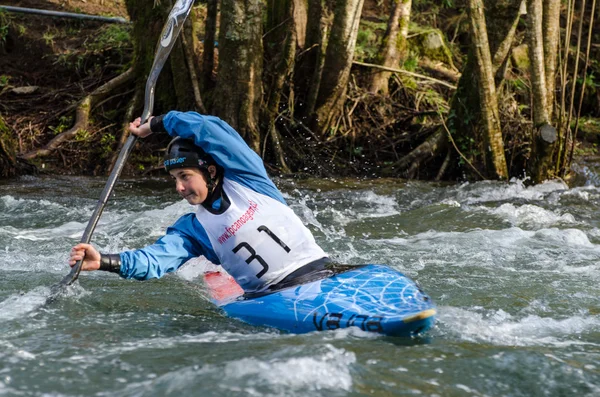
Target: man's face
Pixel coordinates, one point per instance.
(190, 184)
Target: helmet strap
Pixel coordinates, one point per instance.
(211, 183)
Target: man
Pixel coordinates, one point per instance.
(242, 221)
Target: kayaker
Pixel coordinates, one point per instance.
(241, 221)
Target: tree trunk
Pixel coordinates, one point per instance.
(238, 94)
(208, 53)
(490, 116)
(338, 61)
(173, 87)
(465, 119)
(300, 21)
(544, 139)
(280, 45)
(188, 41)
(393, 46)
(536, 56)
(551, 29)
(501, 41)
(309, 64)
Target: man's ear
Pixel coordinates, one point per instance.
(212, 170)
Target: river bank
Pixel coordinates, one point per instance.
(50, 64)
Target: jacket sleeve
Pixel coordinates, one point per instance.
(226, 146)
(169, 252)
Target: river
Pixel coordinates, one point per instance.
(514, 271)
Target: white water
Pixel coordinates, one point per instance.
(514, 270)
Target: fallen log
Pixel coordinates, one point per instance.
(82, 115)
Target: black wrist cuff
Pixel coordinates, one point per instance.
(156, 124)
(110, 263)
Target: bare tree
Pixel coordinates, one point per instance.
(238, 94)
(465, 117)
(208, 53)
(551, 35)
(173, 88)
(545, 143)
(338, 61)
(310, 61)
(490, 116)
(280, 42)
(393, 45)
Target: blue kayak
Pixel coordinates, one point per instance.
(374, 298)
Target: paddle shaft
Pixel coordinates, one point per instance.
(170, 31)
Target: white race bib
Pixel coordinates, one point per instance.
(258, 239)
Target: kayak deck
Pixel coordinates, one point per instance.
(375, 298)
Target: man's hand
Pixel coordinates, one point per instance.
(142, 130)
(89, 254)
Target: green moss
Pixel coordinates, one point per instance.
(430, 43)
(520, 58)
(412, 61)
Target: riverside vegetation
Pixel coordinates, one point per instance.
(431, 90)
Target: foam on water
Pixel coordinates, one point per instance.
(584, 193)
(150, 223)
(350, 332)
(37, 212)
(508, 265)
(482, 192)
(69, 229)
(19, 305)
(365, 205)
(13, 354)
(570, 241)
(103, 351)
(329, 370)
(10, 204)
(325, 370)
(116, 231)
(592, 178)
(498, 327)
(373, 205)
(531, 216)
(574, 238)
(305, 213)
(196, 267)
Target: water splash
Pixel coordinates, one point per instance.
(20, 305)
(501, 328)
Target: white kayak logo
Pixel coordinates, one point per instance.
(180, 8)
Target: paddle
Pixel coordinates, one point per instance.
(170, 31)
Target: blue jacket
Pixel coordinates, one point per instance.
(187, 238)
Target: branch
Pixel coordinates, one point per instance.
(439, 68)
(189, 57)
(430, 148)
(456, 147)
(82, 114)
(406, 72)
